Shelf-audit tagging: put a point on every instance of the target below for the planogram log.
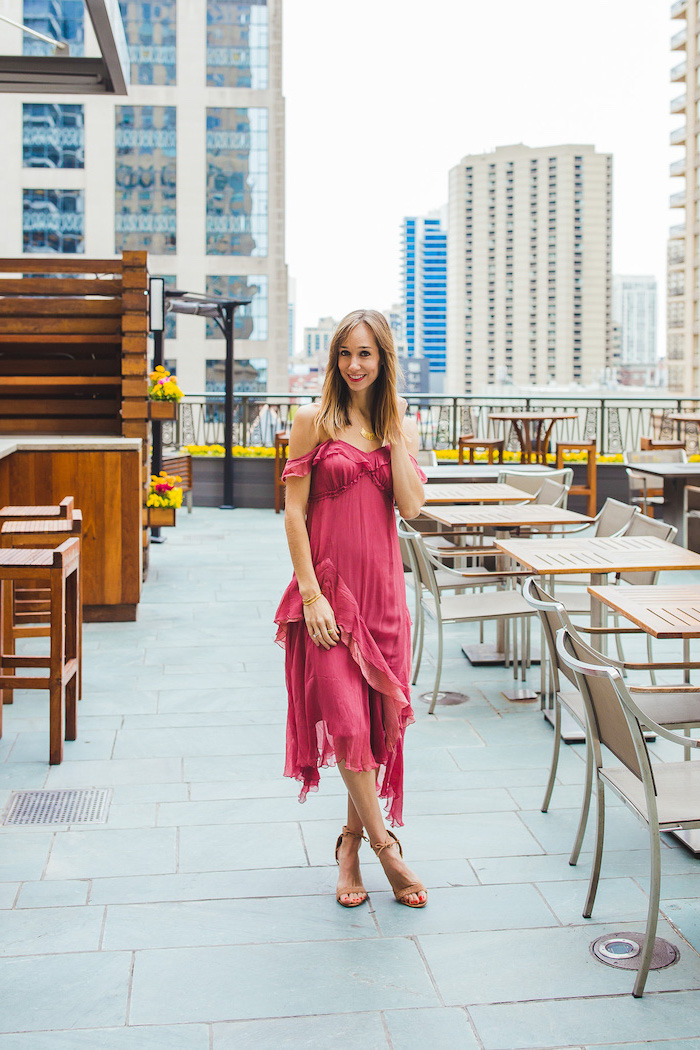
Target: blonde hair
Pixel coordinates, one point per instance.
(333, 414)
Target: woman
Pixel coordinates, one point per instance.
(343, 619)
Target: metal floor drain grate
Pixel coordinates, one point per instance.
(61, 806)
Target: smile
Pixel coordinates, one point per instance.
(356, 379)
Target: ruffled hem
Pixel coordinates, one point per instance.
(392, 701)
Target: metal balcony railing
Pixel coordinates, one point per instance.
(616, 423)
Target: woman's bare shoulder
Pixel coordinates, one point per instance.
(304, 436)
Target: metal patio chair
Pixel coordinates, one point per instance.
(665, 796)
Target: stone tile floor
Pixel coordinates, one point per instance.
(201, 916)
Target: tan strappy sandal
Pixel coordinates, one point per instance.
(347, 890)
(401, 892)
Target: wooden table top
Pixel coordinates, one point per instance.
(532, 416)
(459, 472)
(475, 492)
(664, 612)
(667, 470)
(599, 554)
(504, 516)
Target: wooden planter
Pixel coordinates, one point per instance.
(162, 409)
(161, 516)
(253, 481)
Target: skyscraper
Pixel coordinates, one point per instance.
(634, 309)
(424, 291)
(529, 284)
(190, 166)
(682, 347)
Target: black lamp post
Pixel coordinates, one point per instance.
(156, 323)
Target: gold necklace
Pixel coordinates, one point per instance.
(368, 434)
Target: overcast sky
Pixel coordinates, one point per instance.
(385, 96)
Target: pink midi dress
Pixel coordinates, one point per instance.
(351, 702)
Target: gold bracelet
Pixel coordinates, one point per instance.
(310, 601)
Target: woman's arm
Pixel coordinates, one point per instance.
(408, 490)
(319, 617)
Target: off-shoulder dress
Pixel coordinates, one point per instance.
(351, 702)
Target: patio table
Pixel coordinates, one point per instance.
(503, 519)
(531, 431)
(675, 478)
(663, 612)
(475, 493)
(599, 556)
(454, 472)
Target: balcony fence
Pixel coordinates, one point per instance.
(616, 424)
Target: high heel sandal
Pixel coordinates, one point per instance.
(345, 891)
(403, 892)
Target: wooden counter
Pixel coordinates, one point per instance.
(104, 476)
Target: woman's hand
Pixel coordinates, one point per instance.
(399, 433)
(320, 623)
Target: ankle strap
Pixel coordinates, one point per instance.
(392, 841)
(353, 834)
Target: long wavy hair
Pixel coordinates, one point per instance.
(333, 415)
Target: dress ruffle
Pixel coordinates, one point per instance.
(321, 696)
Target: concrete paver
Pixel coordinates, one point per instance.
(202, 914)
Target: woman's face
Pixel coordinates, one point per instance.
(359, 361)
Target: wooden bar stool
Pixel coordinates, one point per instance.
(590, 488)
(26, 612)
(59, 571)
(63, 510)
(281, 453)
(491, 446)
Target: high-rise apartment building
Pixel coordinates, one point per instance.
(683, 309)
(189, 166)
(424, 291)
(317, 340)
(634, 309)
(529, 281)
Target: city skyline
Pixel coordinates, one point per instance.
(597, 75)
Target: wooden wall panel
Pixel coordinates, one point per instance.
(107, 489)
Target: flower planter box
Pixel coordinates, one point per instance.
(253, 481)
(161, 516)
(162, 409)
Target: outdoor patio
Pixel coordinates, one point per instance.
(202, 915)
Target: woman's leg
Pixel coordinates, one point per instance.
(348, 860)
(362, 791)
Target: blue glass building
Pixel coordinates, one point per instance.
(424, 292)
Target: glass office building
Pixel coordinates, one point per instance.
(62, 20)
(189, 167)
(237, 44)
(424, 292)
(250, 322)
(237, 146)
(53, 221)
(146, 179)
(53, 135)
(151, 33)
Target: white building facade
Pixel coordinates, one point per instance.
(529, 256)
(189, 167)
(683, 304)
(634, 309)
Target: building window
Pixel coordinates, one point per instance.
(61, 19)
(53, 135)
(237, 181)
(237, 43)
(151, 33)
(146, 179)
(250, 321)
(53, 221)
